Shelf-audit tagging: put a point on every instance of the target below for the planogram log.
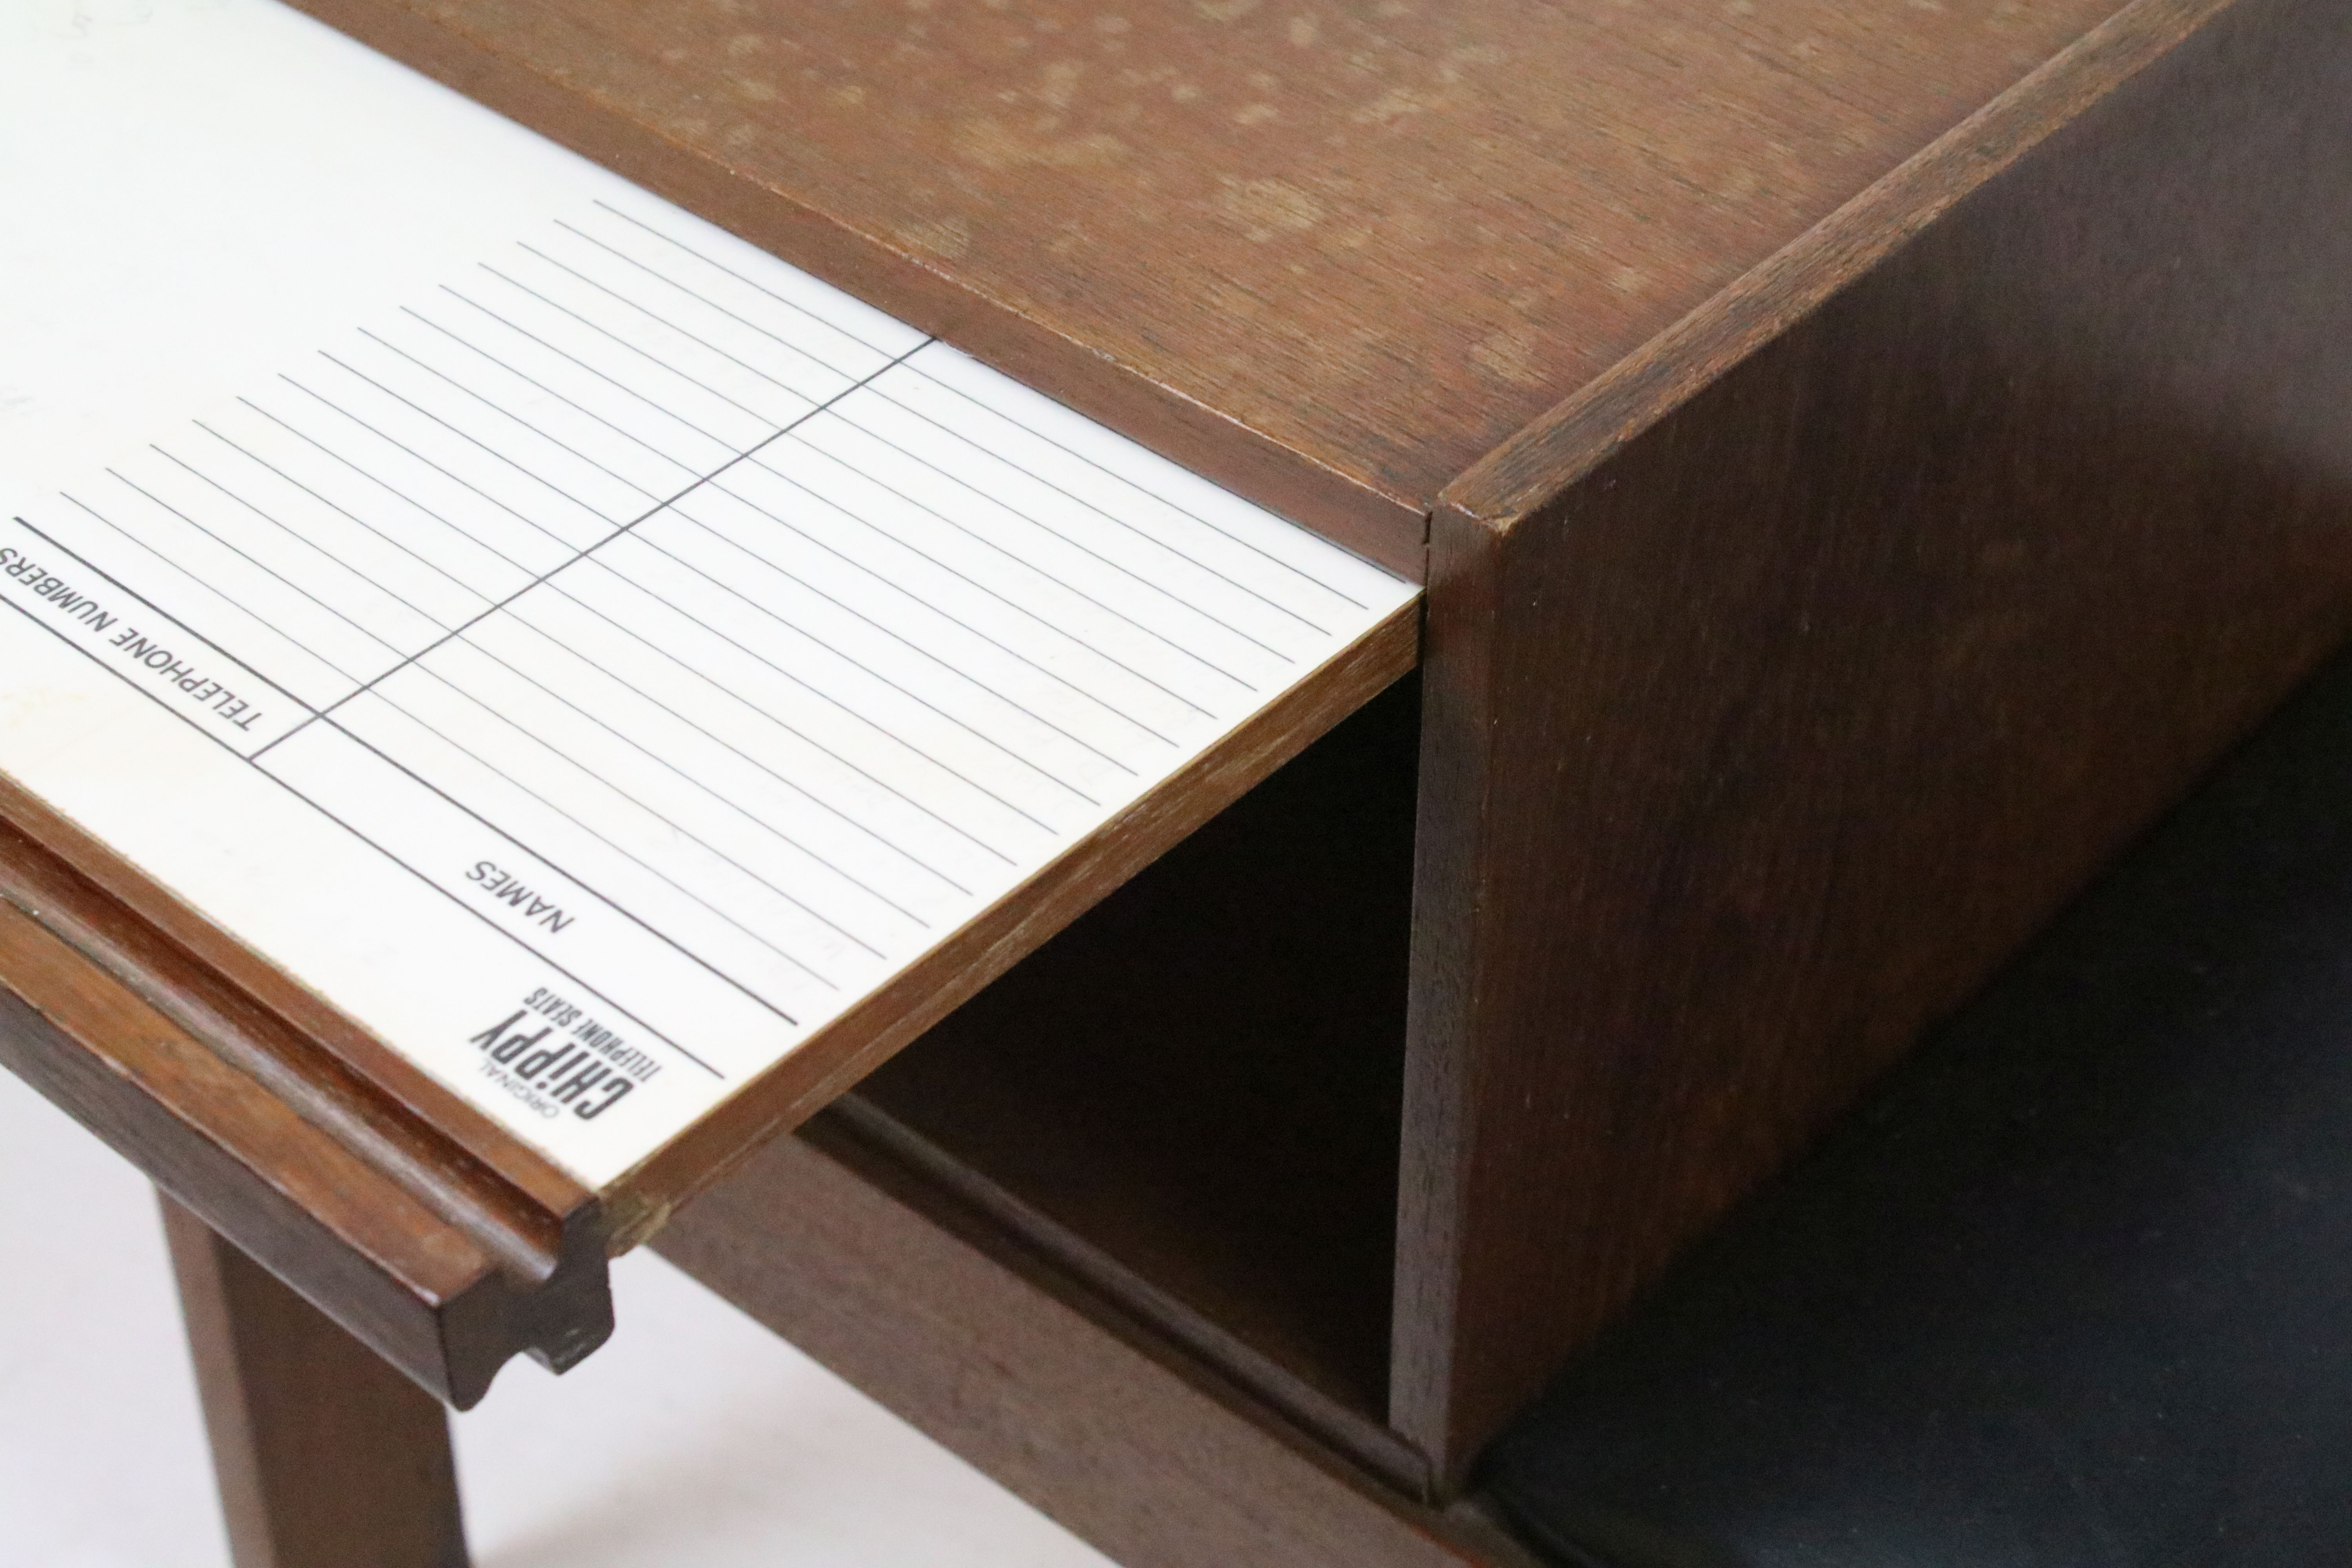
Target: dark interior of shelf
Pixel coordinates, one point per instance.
(1202, 1077)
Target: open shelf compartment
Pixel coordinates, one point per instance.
(1193, 1095)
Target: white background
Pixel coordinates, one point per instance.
(1030, 625)
(694, 1439)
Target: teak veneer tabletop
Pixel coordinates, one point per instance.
(1331, 254)
(1867, 457)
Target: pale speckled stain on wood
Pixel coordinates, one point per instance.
(1385, 234)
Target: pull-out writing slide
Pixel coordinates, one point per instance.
(590, 653)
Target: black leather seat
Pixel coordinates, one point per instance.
(2073, 1289)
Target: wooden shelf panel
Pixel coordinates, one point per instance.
(586, 695)
(1201, 1080)
(1366, 243)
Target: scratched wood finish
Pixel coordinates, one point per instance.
(1778, 685)
(1328, 251)
(435, 1259)
(326, 1456)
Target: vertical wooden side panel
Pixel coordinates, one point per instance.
(1758, 744)
(326, 1456)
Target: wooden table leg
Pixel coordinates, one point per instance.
(326, 1456)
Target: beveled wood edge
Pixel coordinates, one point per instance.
(1579, 433)
(1384, 528)
(1364, 1439)
(428, 1139)
(1569, 445)
(1087, 1414)
(481, 1141)
(821, 1070)
(440, 1281)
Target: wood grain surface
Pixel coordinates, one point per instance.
(1328, 251)
(381, 1110)
(1781, 685)
(326, 1456)
(1193, 1093)
(1905, 444)
(837, 1056)
(429, 1256)
(464, 1145)
(1067, 1407)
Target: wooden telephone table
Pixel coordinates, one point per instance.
(1864, 457)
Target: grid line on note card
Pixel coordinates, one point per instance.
(673, 242)
(648, 355)
(717, 641)
(693, 673)
(478, 396)
(404, 864)
(526, 335)
(425, 562)
(887, 582)
(620, 530)
(945, 668)
(903, 689)
(1006, 549)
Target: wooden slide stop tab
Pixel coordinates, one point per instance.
(206, 1069)
(581, 695)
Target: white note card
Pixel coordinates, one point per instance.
(588, 651)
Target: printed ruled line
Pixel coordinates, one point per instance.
(164, 617)
(267, 570)
(529, 336)
(1063, 583)
(646, 354)
(316, 714)
(667, 325)
(523, 518)
(847, 821)
(618, 532)
(511, 416)
(757, 608)
(1111, 517)
(883, 784)
(313, 546)
(614, 1007)
(583, 409)
(633, 632)
(451, 577)
(386, 486)
(558, 867)
(1259, 550)
(569, 547)
(1059, 631)
(945, 667)
(632, 743)
(901, 589)
(232, 604)
(470, 439)
(553, 809)
(1075, 455)
(1120, 567)
(779, 298)
(672, 326)
(786, 343)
